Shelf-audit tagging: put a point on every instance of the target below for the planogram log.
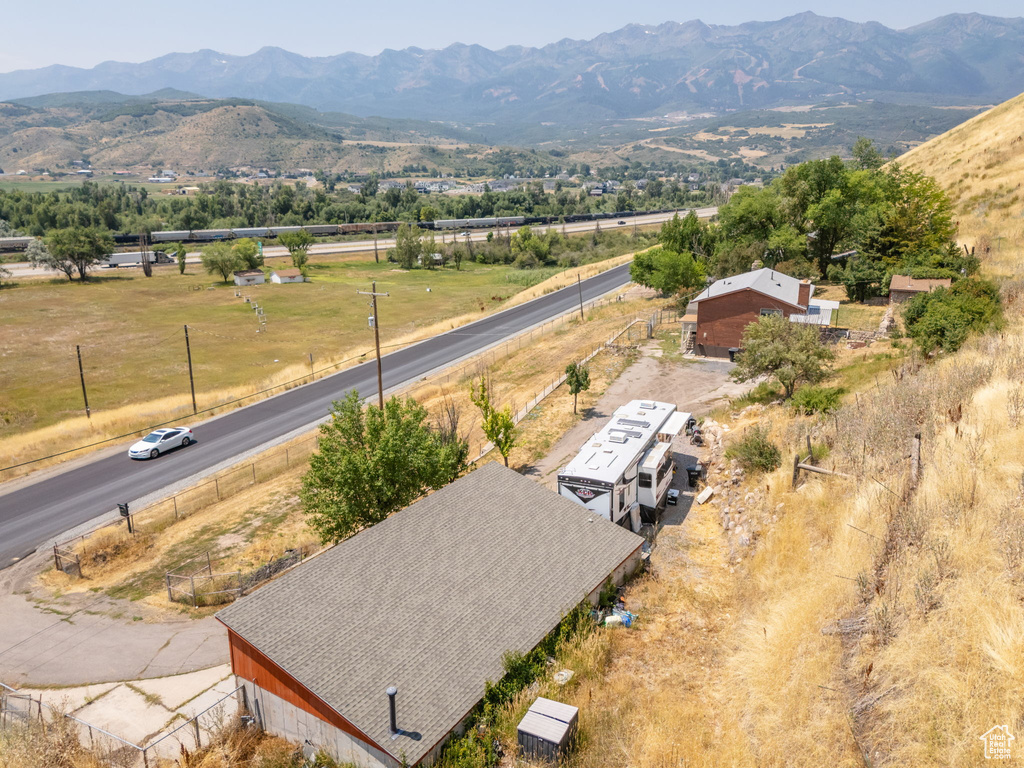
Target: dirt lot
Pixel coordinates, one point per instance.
(697, 386)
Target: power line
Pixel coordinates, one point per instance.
(205, 410)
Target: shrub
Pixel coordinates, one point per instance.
(943, 319)
(810, 400)
(755, 452)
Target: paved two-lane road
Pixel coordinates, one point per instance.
(35, 514)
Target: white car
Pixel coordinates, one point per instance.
(161, 441)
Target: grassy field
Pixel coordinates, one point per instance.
(131, 333)
(9, 184)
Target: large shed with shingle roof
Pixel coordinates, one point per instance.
(427, 601)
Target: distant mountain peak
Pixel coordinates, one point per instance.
(637, 70)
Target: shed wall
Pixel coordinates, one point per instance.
(282, 718)
(251, 665)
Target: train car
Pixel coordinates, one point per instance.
(162, 237)
(449, 223)
(278, 231)
(15, 243)
(321, 230)
(252, 232)
(207, 235)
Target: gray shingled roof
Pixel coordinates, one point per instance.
(770, 282)
(430, 599)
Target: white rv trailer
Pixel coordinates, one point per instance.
(604, 475)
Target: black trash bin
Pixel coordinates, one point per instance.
(732, 354)
(693, 475)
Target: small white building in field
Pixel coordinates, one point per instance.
(250, 277)
(287, 276)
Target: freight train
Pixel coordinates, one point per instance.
(330, 230)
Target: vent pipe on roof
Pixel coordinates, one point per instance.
(392, 692)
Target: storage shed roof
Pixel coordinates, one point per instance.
(429, 600)
(909, 284)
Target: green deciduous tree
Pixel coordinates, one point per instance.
(498, 426)
(297, 244)
(688, 235)
(667, 271)
(943, 319)
(75, 249)
(220, 259)
(408, 245)
(790, 353)
(180, 255)
(248, 253)
(577, 376)
(372, 463)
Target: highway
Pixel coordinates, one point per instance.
(36, 513)
(24, 269)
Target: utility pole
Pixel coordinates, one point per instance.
(191, 379)
(147, 266)
(372, 293)
(579, 287)
(81, 375)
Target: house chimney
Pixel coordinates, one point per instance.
(805, 293)
(392, 692)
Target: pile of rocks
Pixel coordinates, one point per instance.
(744, 514)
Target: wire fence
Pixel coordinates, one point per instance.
(201, 729)
(202, 586)
(69, 554)
(72, 555)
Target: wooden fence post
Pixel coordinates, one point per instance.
(170, 597)
(915, 461)
(810, 451)
(796, 470)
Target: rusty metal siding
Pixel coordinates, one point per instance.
(249, 663)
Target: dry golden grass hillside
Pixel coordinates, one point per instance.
(980, 164)
(857, 620)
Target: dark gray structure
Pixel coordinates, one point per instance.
(547, 730)
(426, 602)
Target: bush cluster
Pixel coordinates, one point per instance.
(755, 452)
(811, 400)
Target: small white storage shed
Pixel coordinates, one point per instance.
(250, 277)
(547, 729)
(287, 276)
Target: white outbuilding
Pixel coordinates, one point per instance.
(287, 276)
(250, 277)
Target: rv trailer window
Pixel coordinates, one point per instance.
(645, 480)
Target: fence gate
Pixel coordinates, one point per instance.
(14, 707)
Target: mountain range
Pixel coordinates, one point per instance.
(634, 72)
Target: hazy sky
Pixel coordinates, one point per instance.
(84, 34)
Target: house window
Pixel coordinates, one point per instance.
(813, 310)
(771, 312)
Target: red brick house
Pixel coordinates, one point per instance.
(715, 320)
